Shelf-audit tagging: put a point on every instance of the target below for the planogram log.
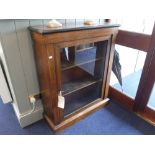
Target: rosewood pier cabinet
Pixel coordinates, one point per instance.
(74, 66)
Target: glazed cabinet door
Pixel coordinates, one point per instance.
(81, 70)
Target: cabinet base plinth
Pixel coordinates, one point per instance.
(77, 116)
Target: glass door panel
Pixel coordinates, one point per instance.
(151, 103)
(132, 62)
(82, 72)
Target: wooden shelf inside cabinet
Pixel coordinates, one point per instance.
(78, 84)
(67, 65)
(75, 61)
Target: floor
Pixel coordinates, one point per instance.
(111, 120)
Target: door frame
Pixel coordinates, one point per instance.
(138, 104)
(147, 78)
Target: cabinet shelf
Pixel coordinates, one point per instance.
(74, 102)
(82, 97)
(78, 84)
(82, 57)
(68, 65)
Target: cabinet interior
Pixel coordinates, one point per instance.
(82, 72)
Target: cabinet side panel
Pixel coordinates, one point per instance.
(44, 78)
(45, 62)
(55, 70)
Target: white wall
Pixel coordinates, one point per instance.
(4, 89)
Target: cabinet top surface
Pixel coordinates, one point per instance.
(45, 30)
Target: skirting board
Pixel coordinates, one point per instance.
(28, 118)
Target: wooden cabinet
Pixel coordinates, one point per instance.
(74, 65)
